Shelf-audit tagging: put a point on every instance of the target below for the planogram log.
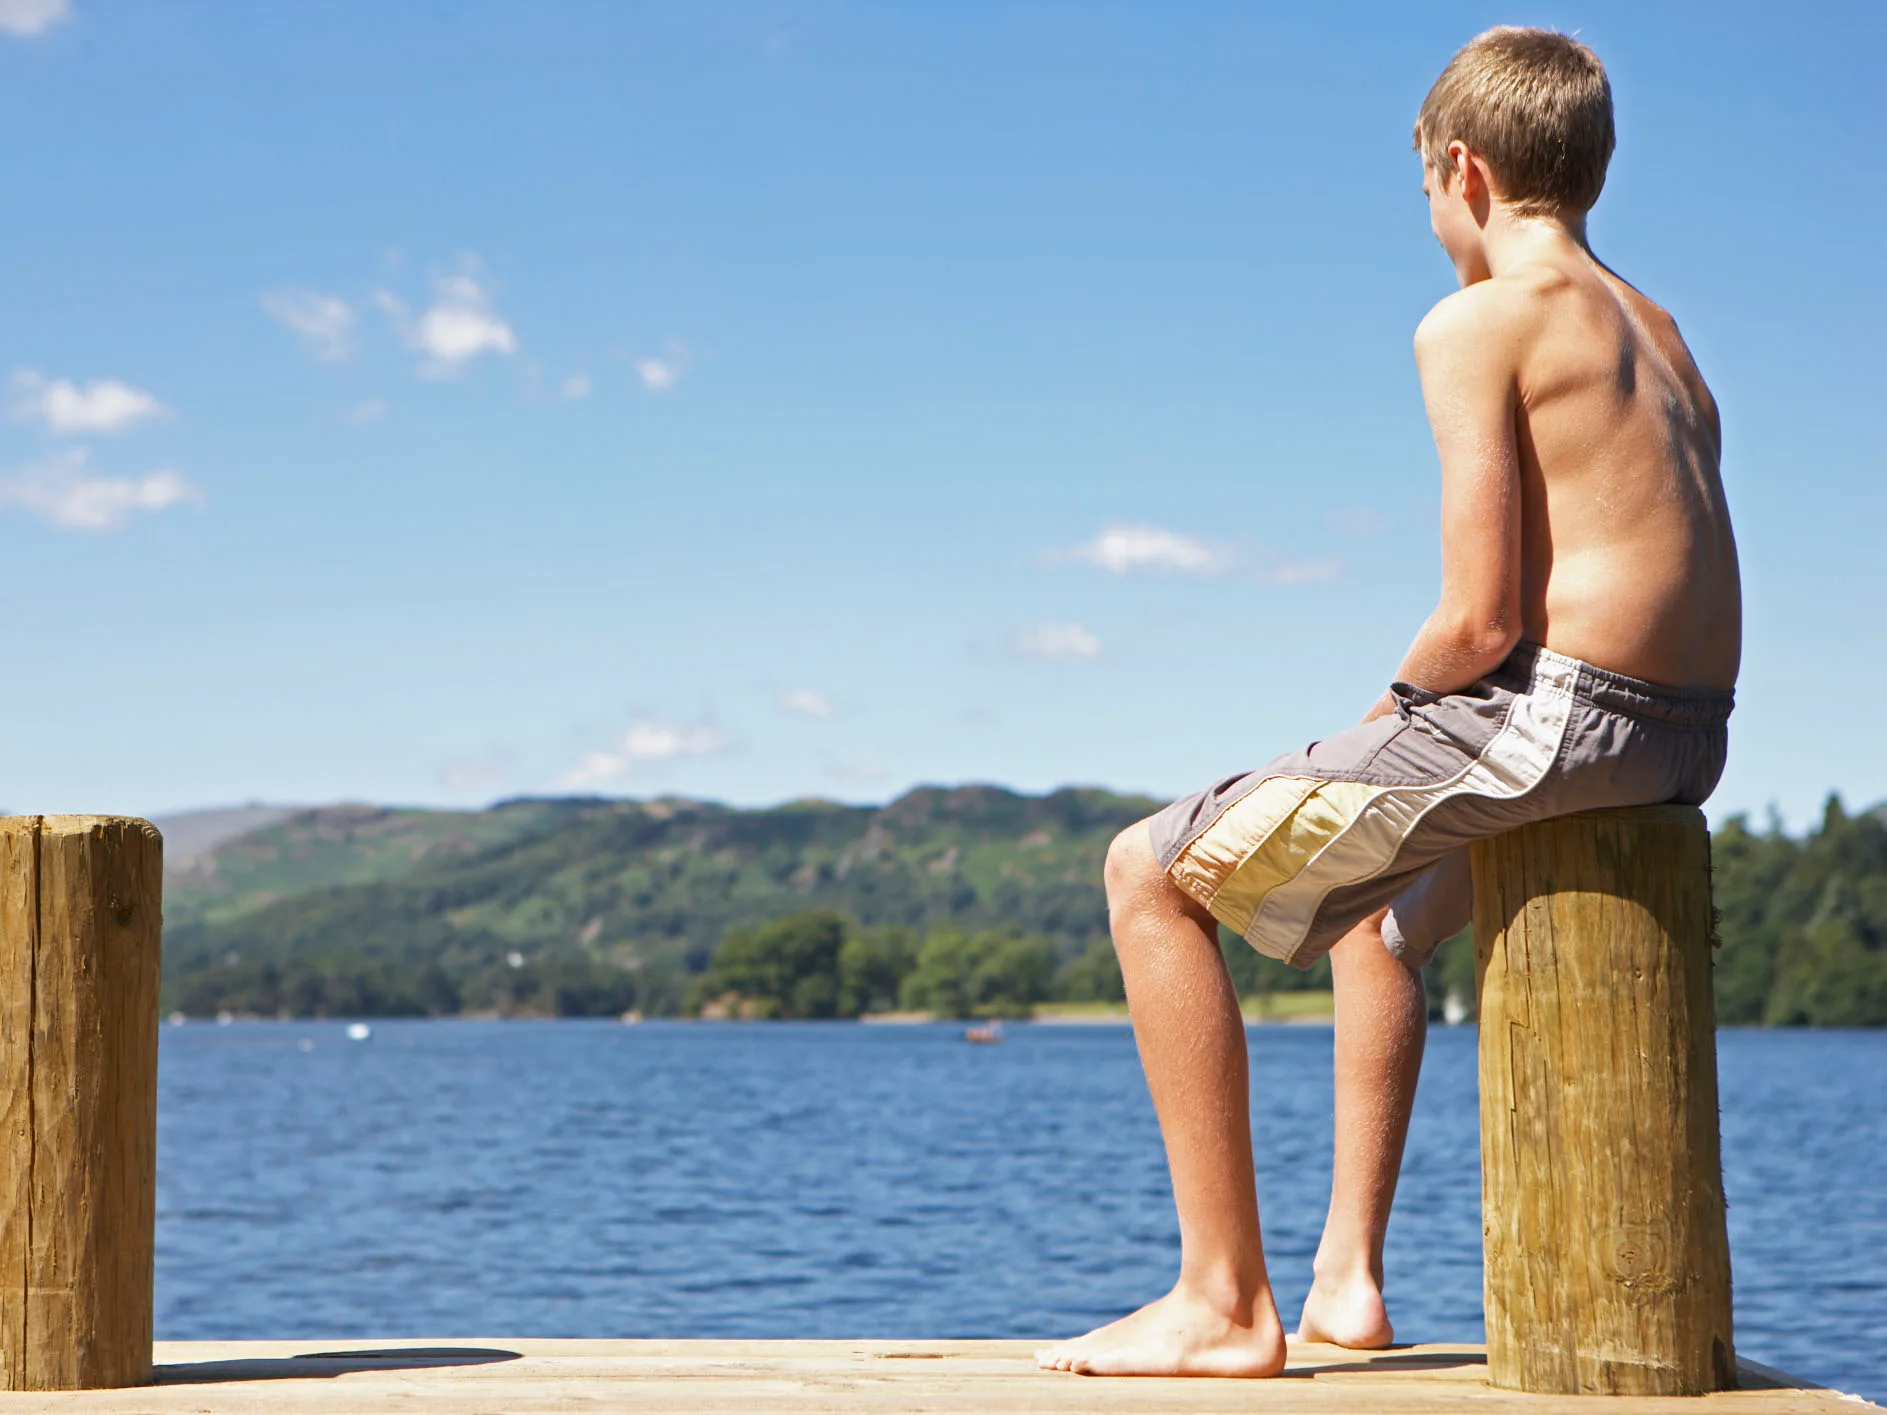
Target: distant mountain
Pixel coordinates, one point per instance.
(584, 906)
(294, 852)
(415, 906)
(190, 835)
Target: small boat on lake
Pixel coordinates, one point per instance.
(988, 1033)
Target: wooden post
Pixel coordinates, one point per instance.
(81, 901)
(1608, 1263)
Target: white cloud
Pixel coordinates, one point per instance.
(578, 385)
(323, 323)
(658, 375)
(862, 774)
(59, 492)
(368, 410)
(804, 700)
(1056, 641)
(102, 406)
(1125, 549)
(456, 328)
(646, 742)
(26, 18)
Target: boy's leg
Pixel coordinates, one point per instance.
(1219, 1319)
(1382, 1022)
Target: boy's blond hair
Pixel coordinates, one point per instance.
(1536, 105)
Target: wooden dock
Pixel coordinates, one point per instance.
(867, 1377)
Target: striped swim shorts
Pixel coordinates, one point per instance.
(1294, 856)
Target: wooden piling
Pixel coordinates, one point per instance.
(81, 902)
(1608, 1263)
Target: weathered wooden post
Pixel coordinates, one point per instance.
(1608, 1263)
(81, 902)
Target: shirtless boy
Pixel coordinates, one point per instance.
(1582, 655)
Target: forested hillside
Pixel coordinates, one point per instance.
(1803, 922)
(971, 900)
(590, 905)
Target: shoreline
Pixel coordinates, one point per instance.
(1309, 1008)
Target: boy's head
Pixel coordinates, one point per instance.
(1525, 113)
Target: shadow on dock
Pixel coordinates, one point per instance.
(317, 1364)
(1392, 1359)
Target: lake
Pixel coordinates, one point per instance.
(462, 1178)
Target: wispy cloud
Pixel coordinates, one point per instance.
(61, 492)
(1056, 640)
(859, 774)
(324, 324)
(578, 385)
(25, 19)
(1129, 549)
(646, 742)
(658, 375)
(66, 408)
(809, 703)
(459, 325)
(368, 410)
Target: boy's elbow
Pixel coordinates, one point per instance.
(1493, 642)
(1484, 643)
(1496, 643)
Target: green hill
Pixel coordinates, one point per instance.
(593, 906)
(295, 852)
(350, 909)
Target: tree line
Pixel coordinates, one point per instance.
(1802, 924)
(810, 964)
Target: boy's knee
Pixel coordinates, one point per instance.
(1131, 871)
(1138, 888)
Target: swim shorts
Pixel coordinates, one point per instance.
(1294, 856)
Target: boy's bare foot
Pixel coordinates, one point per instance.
(1182, 1334)
(1346, 1312)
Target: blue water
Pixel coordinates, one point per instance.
(589, 1179)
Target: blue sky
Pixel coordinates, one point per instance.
(433, 403)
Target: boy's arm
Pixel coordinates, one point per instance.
(1467, 351)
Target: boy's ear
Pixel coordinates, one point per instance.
(1471, 179)
(1464, 174)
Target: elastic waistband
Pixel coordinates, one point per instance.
(1634, 697)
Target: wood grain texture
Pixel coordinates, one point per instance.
(19, 936)
(1607, 1256)
(83, 1310)
(864, 1377)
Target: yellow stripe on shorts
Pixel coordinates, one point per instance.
(1264, 840)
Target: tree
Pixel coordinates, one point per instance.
(788, 968)
(872, 967)
(1093, 975)
(993, 973)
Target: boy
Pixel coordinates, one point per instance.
(1582, 655)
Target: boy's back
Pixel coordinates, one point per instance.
(1627, 556)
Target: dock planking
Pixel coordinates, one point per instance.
(866, 1377)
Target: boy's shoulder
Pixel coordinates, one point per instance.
(1546, 317)
(1545, 322)
(1481, 331)
(1504, 308)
